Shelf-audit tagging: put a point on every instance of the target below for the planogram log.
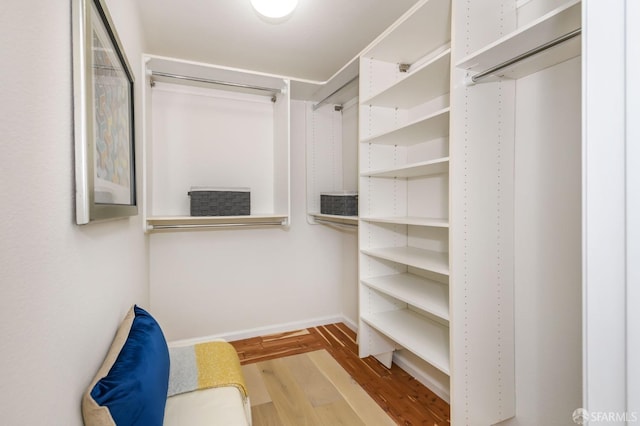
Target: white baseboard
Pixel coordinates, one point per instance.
(263, 331)
(349, 323)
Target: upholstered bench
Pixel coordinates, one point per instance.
(145, 382)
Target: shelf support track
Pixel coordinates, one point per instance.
(484, 74)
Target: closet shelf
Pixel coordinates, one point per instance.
(422, 336)
(423, 129)
(425, 168)
(426, 82)
(430, 296)
(337, 219)
(409, 220)
(166, 223)
(426, 29)
(427, 260)
(543, 30)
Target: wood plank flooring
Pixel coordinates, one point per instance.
(330, 366)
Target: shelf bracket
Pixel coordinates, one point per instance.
(404, 67)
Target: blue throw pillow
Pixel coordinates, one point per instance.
(131, 386)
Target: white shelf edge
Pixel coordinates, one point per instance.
(168, 223)
(412, 75)
(344, 220)
(427, 260)
(424, 168)
(428, 295)
(477, 61)
(424, 337)
(397, 132)
(409, 220)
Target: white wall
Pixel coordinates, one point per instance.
(238, 281)
(610, 215)
(63, 288)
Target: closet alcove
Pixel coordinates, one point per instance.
(332, 145)
(208, 126)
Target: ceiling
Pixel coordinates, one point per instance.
(313, 44)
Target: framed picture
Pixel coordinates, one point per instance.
(103, 117)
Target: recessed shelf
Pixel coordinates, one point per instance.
(427, 28)
(545, 29)
(426, 82)
(422, 336)
(410, 220)
(425, 168)
(337, 219)
(428, 260)
(423, 129)
(428, 295)
(167, 223)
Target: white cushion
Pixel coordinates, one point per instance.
(207, 407)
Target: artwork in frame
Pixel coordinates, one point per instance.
(103, 117)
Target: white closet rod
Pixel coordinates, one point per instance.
(476, 78)
(270, 90)
(213, 225)
(326, 98)
(337, 224)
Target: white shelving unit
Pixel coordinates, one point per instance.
(404, 190)
(192, 138)
(506, 49)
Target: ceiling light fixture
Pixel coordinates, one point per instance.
(274, 9)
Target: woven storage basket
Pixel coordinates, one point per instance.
(220, 201)
(339, 203)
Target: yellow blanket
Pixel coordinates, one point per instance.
(205, 365)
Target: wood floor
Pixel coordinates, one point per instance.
(396, 393)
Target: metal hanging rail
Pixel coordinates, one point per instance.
(269, 90)
(326, 98)
(214, 225)
(336, 224)
(476, 78)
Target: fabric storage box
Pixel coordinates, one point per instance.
(339, 203)
(220, 201)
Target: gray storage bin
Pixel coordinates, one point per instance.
(339, 203)
(220, 201)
